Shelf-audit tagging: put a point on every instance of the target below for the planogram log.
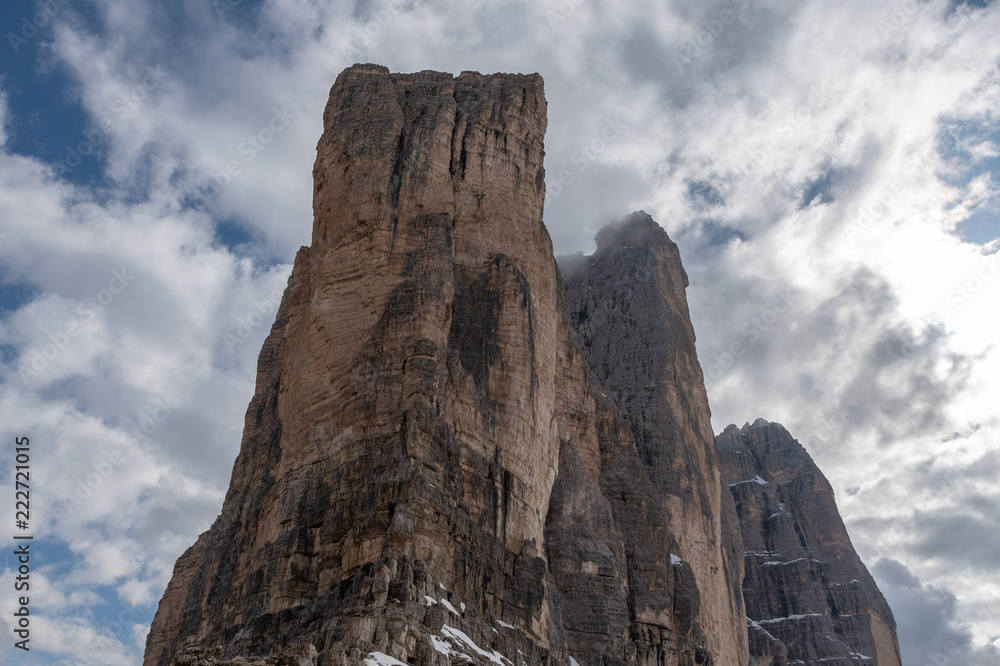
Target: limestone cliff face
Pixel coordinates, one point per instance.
(630, 311)
(809, 598)
(430, 473)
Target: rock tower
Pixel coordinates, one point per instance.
(450, 456)
(809, 597)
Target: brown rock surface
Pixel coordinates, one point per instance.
(429, 471)
(809, 597)
(630, 311)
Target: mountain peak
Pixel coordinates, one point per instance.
(795, 542)
(430, 471)
(638, 229)
(451, 456)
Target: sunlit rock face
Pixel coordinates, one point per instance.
(809, 598)
(454, 456)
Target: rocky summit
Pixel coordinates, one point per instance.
(809, 598)
(452, 456)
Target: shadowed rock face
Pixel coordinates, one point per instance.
(630, 311)
(429, 469)
(809, 598)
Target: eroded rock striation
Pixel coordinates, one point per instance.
(809, 598)
(629, 309)
(430, 471)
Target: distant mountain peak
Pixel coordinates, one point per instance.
(808, 595)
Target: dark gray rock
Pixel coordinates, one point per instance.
(629, 310)
(809, 597)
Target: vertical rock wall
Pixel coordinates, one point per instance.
(629, 308)
(430, 471)
(809, 597)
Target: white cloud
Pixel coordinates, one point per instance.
(881, 357)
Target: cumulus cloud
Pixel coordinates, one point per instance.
(119, 368)
(828, 170)
(929, 632)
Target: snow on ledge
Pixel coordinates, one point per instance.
(755, 479)
(441, 645)
(790, 617)
(756, 625)
(459, 635)
(379, 659)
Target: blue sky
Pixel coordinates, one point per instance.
(842, 154)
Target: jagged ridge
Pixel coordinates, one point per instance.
(808, 595)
